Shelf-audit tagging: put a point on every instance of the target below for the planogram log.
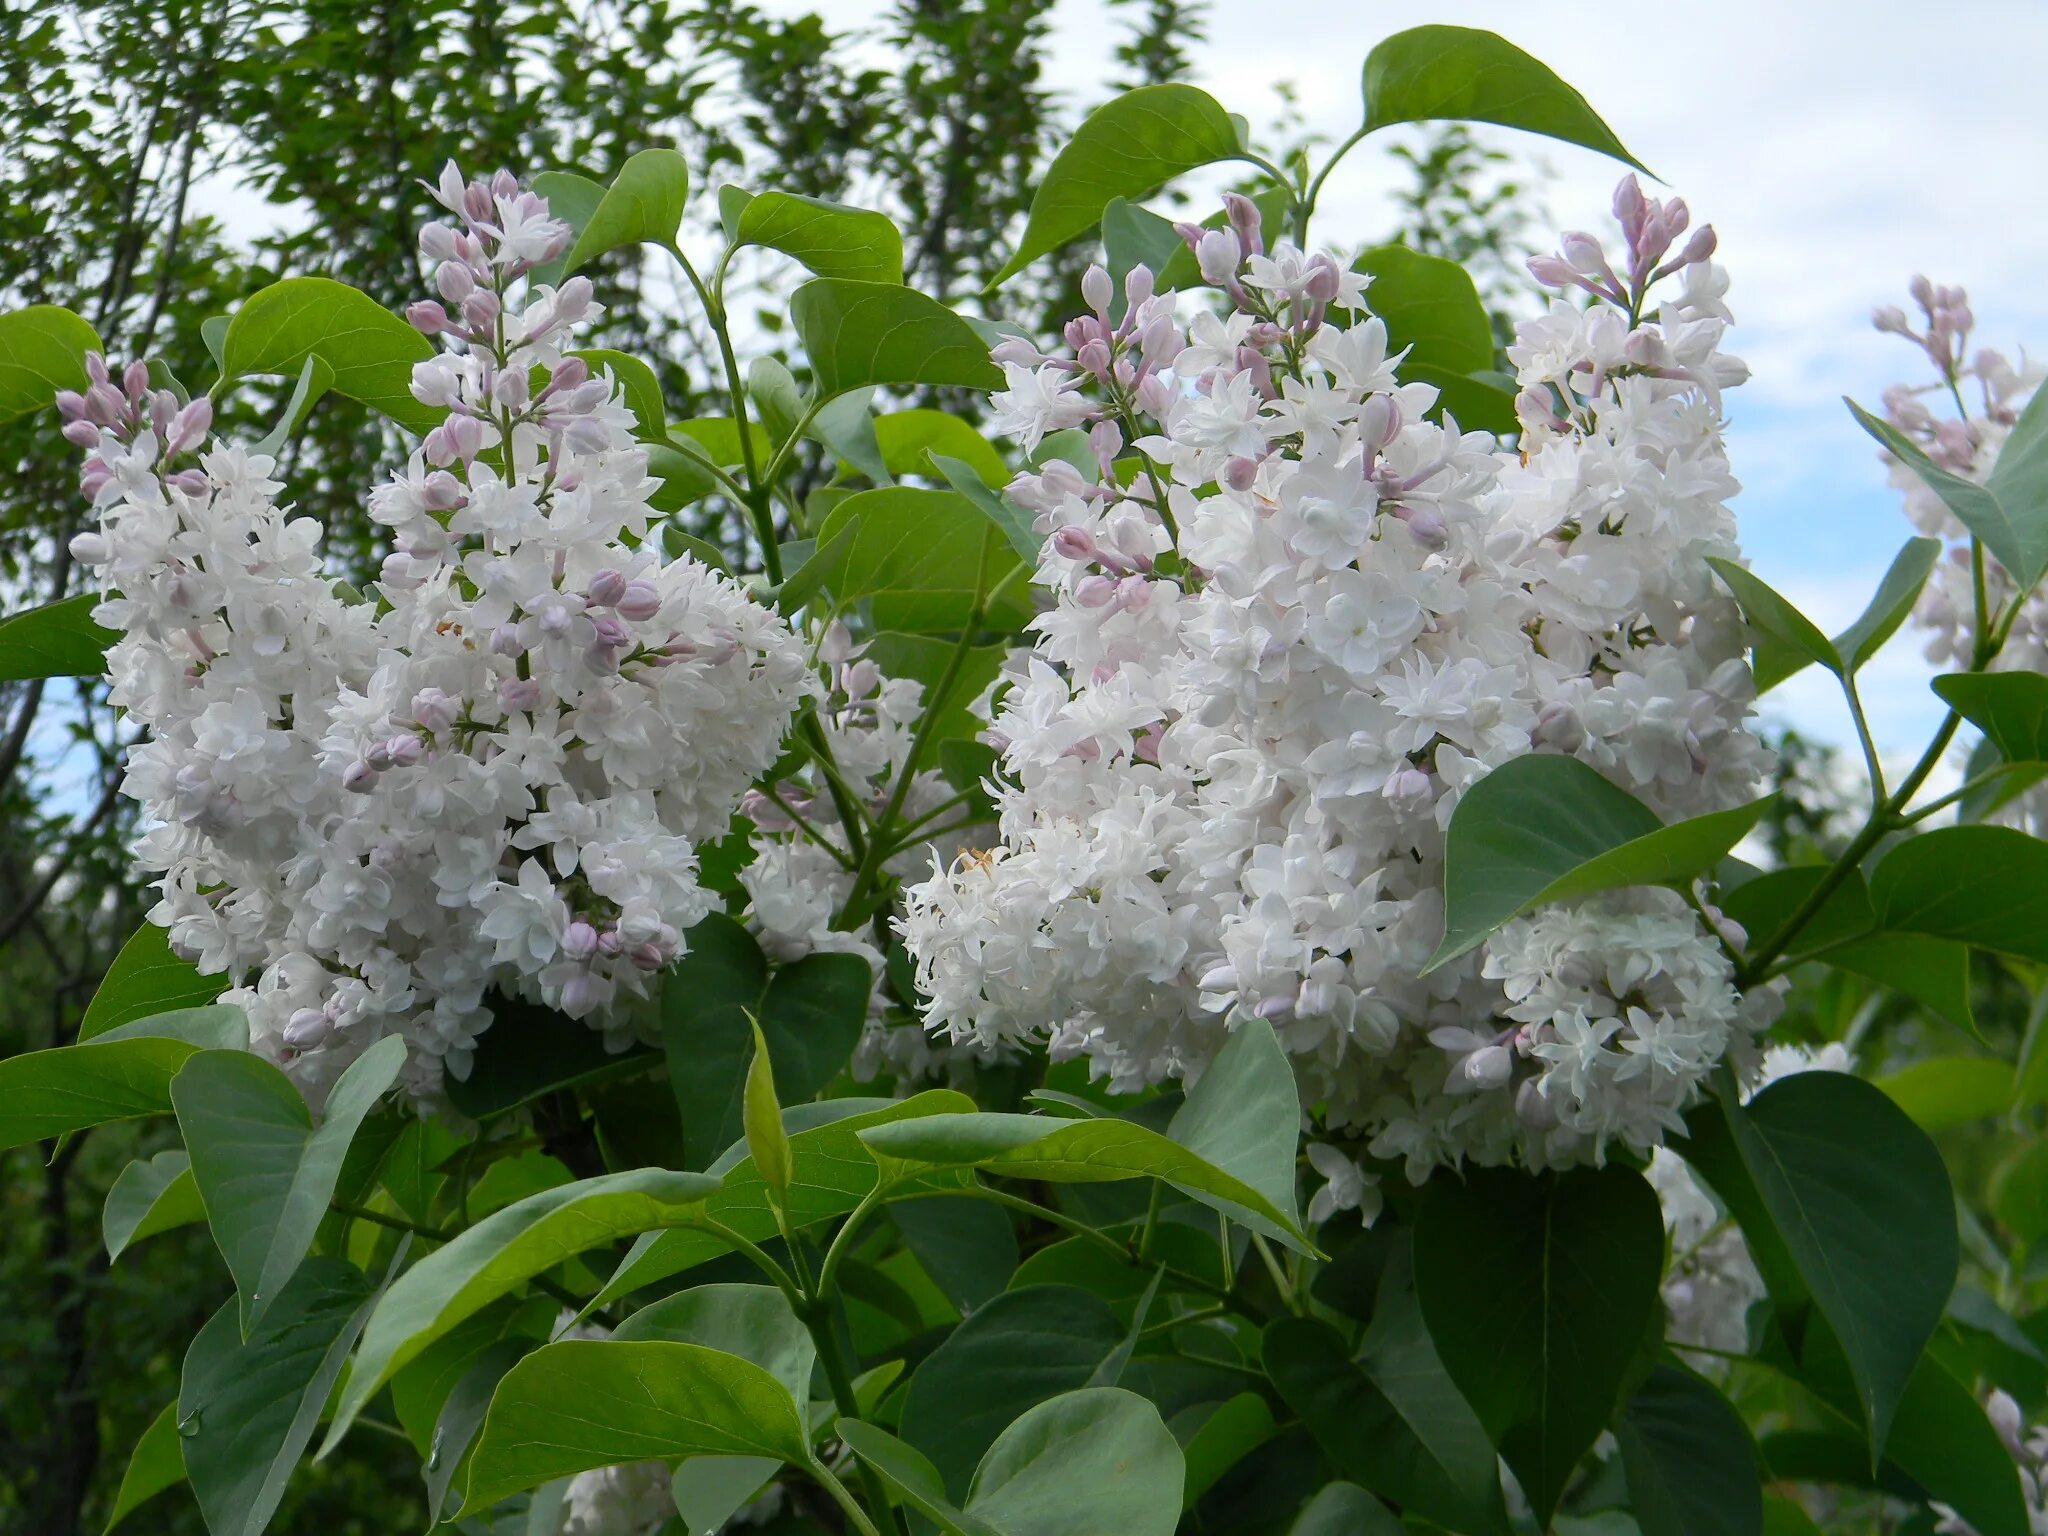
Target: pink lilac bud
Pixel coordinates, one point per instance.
(640, 601)
(580, 941)
(70, 405)
(437, 242)
(94, 477)
(648, 956)
(1582, 254)
(358, 777)
(379, 756)
(476, 202)
(163, 409)
(1075, 543)
(191, 481)
(1922, 291)
(1105, 441)
(1134, 593)
(519, 695)
(612, 630)
(836, 644)
(1221, 978)
(106, 405)
(190, 426)
(1379, 422)
(570, 373)
(1243, 214)
(1093, 358)
(1218, 257)
(480, 309)
(862, 678)
(572, 301)
(434, 709)
(1095, 590)
(404, 751)
(1489, 1067)
(89, 549)
(1160, 341)
(1325, 279)
(1552, 271)
(441, 491)
(96, 368)
(504, 184)
(582, 994)
(307, 1029)
(1240, 473)
(135, 380)
(81, 434)
(1275, 1008)
(606, 587)
(609, 944)
(1015, 349)
(1155, 395)
(1096, 288)
(512, 388)
(1630, 207)
(1138, 285)
(1426, 523)
(454, 281)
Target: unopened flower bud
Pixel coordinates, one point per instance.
(580, 941)
(434, 709)
(480, 309)
(454, 281)
(1093, 358)
(307, 1029)
(519, 695)
(582, 993)
(640, 601)
(1138, 285)
(570, 373)
(1325, 279)
(1221, 978)
(1379, 422)
(89, 548)
(437, 242)
(1240, 472)
(1489, 1067)
(135, 380)
(1582, 254)
(1244, 218)
(1096, 288)
(441, 491)
(190, 426)
(81, 434)
(1219, 256)
(648, 956)
(404, 751)
(1075, 543)
(609, 944)
(1095, 590)
(379, 756)
(1426, 523)
(611, 630)
(358, 777)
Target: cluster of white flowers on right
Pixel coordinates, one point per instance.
(1276, 658)
(2029, 1448)
(495, 771)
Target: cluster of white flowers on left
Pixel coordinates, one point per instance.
(492, 775)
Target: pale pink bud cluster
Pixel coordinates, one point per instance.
(108, 417)
(1650, 226)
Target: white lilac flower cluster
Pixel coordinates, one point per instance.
(1272, 665)
(495, 773)
(1710, 1281)
(1961, 418)
(803, 869)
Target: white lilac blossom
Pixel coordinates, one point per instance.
(1961, 419)
(495, 772)
(1711, 1281)
(1272, 664)
(2028, 1446)
(801, 874)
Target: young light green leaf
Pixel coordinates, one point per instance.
(1345, 1509)
(370, 350)
(1223, 1436)
(461, 1419)
(56, 640)
(247, 1409)
(1844, 1200)
(583, 1403)
(2010, 708)
(1538, 1292)
(1890, 604)
(149, 1196)
(1244, 1116)
(708, 1490)
(1460, 74)
(505, 1250)
(752, 1321)
(1946, 1091)
(908, 1475)
(122, 1074)
(644, 204)
(921, 556)
(912, 442)
(156, 1463)
(42, 350)
(1787, 639)
(847, 427)
(1097, 1462)
(315, 379)
(1983, 886)
(832, 1171)
(858, 333)
(1546, 828)
(2009, 514)
(265, 1174)
(993, 504)
(1025, 1346)
(831, 239)
(1430, 306)
(1691, 1467)
(1124, 148)
(767, 1141)
(1078, 1152)
(810, 1012)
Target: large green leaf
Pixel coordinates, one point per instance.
(265, 1174)
(1125, 148)
(1846, 1201)
(1077, 1152)
(156, 1463)
(1432, 309)
(1024, 1347)
(1345, 1509)
(1786, 639)
(1539, 1291)
(42, 351)
(1096, 1462)
(2010, 708)
(1016, 524)
(1370, 1443)
(1244, 1115)
(752, 1321)
(831, 239)
(122, 1074)
(1985, 886)
(56, 640)
(1896, 593)
(2009, 512)
(371, 350)
(573, 199)
(1543, 828)
(1439, 73)
(811, 1012)
(1691, 1468)
(832, 1171)
(583, 1403)
(913, 441)
(248, 1409)
(531, 1051)
(1218, 1436)
(2019, 1191)
(640, 388)
(149, 1196)
(1945, 1091)
(644, 203)
(504, 1250)
(145, 978)
(966, 1245)
(924, 557)
(860, 333)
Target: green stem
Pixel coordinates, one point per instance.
(1281, 1283)
(817, 1317)
(842, 1240)
(774, 470)
(762, 1261)
(757, 499)
(561, 1293)
(844, 1499)
(1871, 764)
(1306, 204)
(808, 830)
